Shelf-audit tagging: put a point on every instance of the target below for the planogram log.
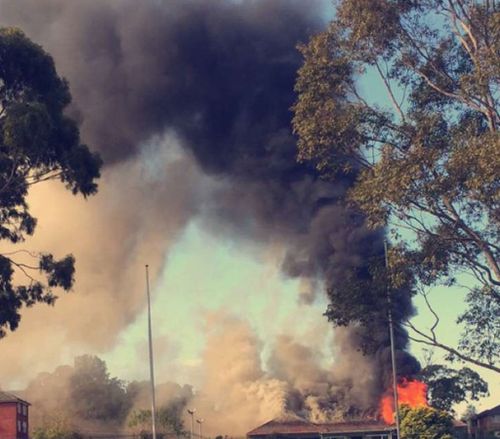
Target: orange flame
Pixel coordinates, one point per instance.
(410, 392)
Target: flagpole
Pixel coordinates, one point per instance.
(151, 364)
(393, 349)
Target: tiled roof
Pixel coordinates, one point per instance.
(10, 397)
(492, 411)
(356, 426)
(285, 424)
(292, 424)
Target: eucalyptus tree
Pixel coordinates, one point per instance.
(38, 142)
(425, 159)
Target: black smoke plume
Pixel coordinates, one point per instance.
(220, 75)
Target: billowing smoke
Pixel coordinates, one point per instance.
(240, 387)
(218, 77)
(85, 397)
(137, 215)
(236, 393)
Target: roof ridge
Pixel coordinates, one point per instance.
(492, 411)
(277, 426)
(11, 397)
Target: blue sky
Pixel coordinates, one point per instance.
(206, 274)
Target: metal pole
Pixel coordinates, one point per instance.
(191, 412)
(151, 364)
(393, 350)
(199, 421)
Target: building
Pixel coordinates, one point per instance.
(295, 427)
(14, 415)
(460, 430)
(485, 424)
(291, 426)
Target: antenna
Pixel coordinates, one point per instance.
(393, 354)
(151, 364)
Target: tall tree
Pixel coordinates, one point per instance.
(38, 142)
(426, 164)
(84, 395)
(447, 387)
(94, 394)
(169, 418)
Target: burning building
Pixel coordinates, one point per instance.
(382, 426)
(410, 392)
(295, 427)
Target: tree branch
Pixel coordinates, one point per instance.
(492, 263)
(451, 95)
(432, 341)
(389, 91)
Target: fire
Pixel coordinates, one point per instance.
(410, 392)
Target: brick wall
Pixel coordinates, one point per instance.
(14, 420)
(8, 421)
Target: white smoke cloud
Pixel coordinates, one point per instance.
(142, 207)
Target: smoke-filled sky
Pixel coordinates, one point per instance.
(188, 103)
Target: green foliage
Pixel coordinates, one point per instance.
(426, 164)
(168, 419)
(362, 299)
(38, 142)
(139, 419)
(482, 323)
(425, 422)
(85, 393)
(447, 387)
(41, 433)
(58, 429)
(325, 124)
(94, 394)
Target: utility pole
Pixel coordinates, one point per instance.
(192, 412)
(200, 421)
(393, 350)
(151, 364)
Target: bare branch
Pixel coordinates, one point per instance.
(467, 28)
(32, 254)
(432, 341)
(390, 92)
(24, 268)
(436, 317)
